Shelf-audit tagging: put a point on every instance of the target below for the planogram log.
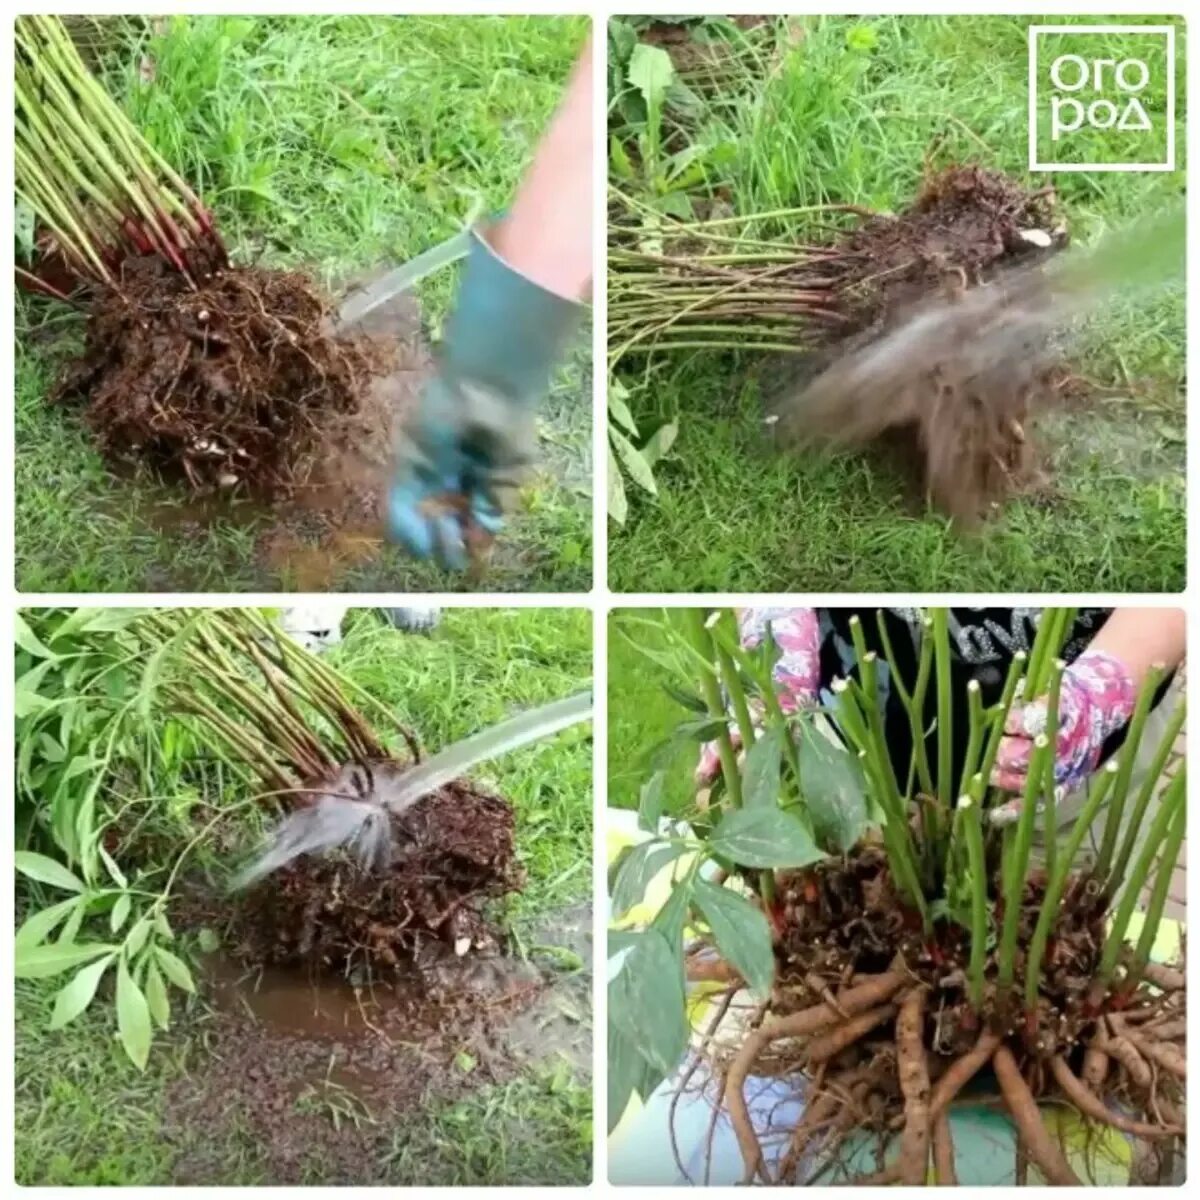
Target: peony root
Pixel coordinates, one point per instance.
(1166, 1054)
(830, 1044)
(1126, 1053)
(913, 1071)
(1040, 1147)
(872, 991)
(961, 1072)
(1166, 978)
(1091, 1106)
(1095, 1063)
(943, 1152)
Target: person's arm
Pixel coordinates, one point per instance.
(1139, 638)
(1097, 696)
(467, 446)
(547, 235)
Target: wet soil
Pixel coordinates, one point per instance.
(322, 1077)
(452, 855)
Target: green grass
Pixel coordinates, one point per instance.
(345, 145)
(827, 123)
(85, 1115)
(641, 714)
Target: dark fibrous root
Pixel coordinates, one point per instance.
(912, 1068)
(1040, 1147)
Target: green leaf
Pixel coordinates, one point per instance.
(631, 458)
(137, 937)
(39, 925)
(175, 970)
(641, 865)
(465, 1062)
(650, 802)
(619, 163)
(646, 1001)
(760, 771)
(660, 443)
(651, 72)
(120, 912)
(41, 962)
(46, 870)
(619, 410)
(628, 1073)
(157, 1000)
(618, 503)
(27, 700)
(28, 640)
(671, 919)
(704, 730)
(163, 926)
(133, 1017)
(117, 875)
(742, 934)
(834, 789)
(690, 700)
(75, 996)
(208, 941)
(764, 837)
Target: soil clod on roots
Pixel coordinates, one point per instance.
(453, 854)
(872, 1020)
(228, 383)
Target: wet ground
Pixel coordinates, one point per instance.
(323, 1077)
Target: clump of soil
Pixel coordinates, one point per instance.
(231, 383)
(453, 854)
(872, 1020)
(947, 352)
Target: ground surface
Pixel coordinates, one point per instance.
(849, 114)
(343, 146)
(274, 1078)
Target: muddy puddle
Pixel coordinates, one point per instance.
(321, 1076)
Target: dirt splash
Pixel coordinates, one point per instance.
(956, 272)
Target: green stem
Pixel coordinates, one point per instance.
(1127, 757)
(1018, 864)
(1158, 896)
(1056, 882)
(701, 643)
(1174, 798)
(914, 701)
(1051, 781)
(970, 822)
(945, 732)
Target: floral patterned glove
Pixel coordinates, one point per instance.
(1095, 700)
(796, 674)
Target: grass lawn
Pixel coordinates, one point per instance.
(847, 113)
(85, 1115)
(344, 145)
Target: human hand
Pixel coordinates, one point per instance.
(1095, 699)
(463, 453)
(796, 675)
(463, 450)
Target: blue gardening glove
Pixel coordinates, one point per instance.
(464, 452)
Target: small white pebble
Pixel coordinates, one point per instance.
(227, 480)
(461, 946)
(203, 315)
(1037, 237)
